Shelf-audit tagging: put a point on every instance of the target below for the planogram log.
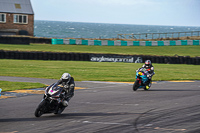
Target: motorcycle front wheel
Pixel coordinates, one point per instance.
(60, 110)
(136, 85)
(40, 109)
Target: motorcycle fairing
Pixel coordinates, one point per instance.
(54, 90)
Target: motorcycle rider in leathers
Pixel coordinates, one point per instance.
(148, 65)
(68, 85)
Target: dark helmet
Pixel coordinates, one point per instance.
(147, 63)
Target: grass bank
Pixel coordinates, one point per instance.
(94, 71)
(126, 50)
(99, 71)
(9, 86)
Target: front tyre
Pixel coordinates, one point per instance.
(136, 85)
(60, 110)
(40, 109)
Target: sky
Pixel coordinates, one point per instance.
(140, 12)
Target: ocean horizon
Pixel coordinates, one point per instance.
(66, 29)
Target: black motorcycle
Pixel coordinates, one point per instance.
(52, 101)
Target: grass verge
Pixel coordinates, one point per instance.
(10, 86)
(94, 71)
(88, 71)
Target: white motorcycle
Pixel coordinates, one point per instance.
(52, 101)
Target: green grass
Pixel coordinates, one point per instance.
(127, 50)
(10, 86)
(94, 71)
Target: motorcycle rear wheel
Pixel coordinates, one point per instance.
(135, 85)
(40, 109)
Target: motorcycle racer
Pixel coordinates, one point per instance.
(148, 65)
(68, 85)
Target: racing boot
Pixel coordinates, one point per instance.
(65, 103)
(148, 85)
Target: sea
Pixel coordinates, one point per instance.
(63, 29)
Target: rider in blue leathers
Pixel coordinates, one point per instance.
(148, 65)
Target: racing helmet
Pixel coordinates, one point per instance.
(147, 63)
(65, 77)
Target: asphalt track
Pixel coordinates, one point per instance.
(108, 107)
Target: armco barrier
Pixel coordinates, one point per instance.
(22, 55)
(124, 43)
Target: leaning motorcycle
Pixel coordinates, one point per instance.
(141, 79)
(52, 101)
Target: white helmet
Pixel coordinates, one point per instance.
(65, 77)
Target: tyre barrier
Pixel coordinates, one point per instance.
(23, 40)
(14, 40)
(40, 40)
(44, 56)
(23, 55)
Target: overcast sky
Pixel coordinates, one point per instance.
(142, 12)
